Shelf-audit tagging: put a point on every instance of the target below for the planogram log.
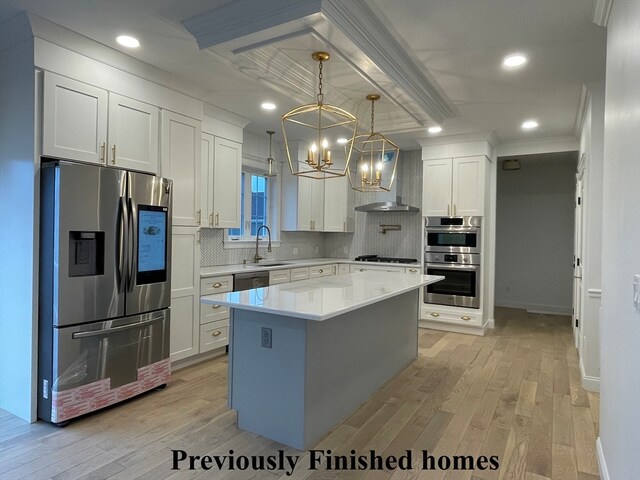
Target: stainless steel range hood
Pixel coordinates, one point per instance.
(390, 201)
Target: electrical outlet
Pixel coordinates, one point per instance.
(636, 291)
(295, 250)
(266, 337)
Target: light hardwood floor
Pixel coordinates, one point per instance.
(514, 393)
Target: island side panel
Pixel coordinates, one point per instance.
(352, 355)
(267, 384)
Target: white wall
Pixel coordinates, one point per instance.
(18, 230)
(534, 233)
(620, 322)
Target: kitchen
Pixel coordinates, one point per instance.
(206, 123)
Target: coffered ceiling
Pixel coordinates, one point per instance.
(434, 61)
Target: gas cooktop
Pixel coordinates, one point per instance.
(376, 258)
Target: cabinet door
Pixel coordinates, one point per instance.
(227, 176)
(133, 134)
(305, 186)
(185, 293)
(468, 186)
(180, 155)
(336, 204)
(74, 120)
(207, 146)
(436, 188)
(317, 204)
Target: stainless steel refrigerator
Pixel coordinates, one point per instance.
(105, 269)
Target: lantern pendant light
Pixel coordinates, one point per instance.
(318, 125)
(271, 163)
(377, 159)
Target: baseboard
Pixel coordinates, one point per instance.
(602, 464)
(450, 327)
(592, 384)
(537, 308)
(491, 323)
(187, 362)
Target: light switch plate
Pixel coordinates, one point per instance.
(636, 291)
(295, 250)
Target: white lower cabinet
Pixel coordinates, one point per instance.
(377, 268)
(279, 276)
(343, 268)
(214, 319)
(185, 292)
(299, 274)
(451, 315)
(323, 271)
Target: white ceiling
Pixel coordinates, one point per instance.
(459, 42)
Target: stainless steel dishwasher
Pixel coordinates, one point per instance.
(249, 280)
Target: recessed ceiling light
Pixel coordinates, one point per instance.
(268, 106)
(435, 129)
(515, 60)
(342, 140)
(529, 124)
(127, 41)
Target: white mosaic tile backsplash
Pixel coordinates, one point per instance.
(366, 239)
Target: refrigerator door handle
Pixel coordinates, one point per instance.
(133, 244)
(105, 331)
(120, 245)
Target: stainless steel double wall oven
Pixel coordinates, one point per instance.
(452, 249)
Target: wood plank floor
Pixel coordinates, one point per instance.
(514, 393)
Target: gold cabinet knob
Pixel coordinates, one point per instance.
(434, 314)
(216, 285)
(413, 270)
(216, 306)
(320, 271)
(215, 333)
(465, 317)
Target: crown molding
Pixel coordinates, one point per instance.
(486, 136)
(601, 12)
(539, 145)
(225, 115)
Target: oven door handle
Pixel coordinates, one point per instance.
(453, 266)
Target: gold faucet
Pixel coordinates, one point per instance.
(257, 257)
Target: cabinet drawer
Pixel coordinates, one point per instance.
(279, 276)
(216, 285)
(214, 335)
(358, 268)
(299, 274)
(212, 313)
(321, 271)
(463, 318)
(343, 268)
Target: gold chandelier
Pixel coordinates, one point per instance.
(377, 159)
(319, 125)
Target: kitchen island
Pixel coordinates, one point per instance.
(304, 355)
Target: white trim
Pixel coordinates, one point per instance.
(539, 145)
(537, 308)
(589, 383)
(449, 327)
(187, 362)
(601, 12)
(491, 323)
(594, 293)
(232, 244)
(602, 464)
(581, 114)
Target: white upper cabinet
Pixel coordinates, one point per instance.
(453, 187)
(133, 134)
(89, 124)
(180, 156)
(339, 212)
(303, 203)
(220, 184)
(227, 177)
(74, 120)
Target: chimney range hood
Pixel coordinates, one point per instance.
(389, 201)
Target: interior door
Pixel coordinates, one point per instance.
(149, 243)
(88, 272)
(577, 260)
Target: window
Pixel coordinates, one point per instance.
(255, 199)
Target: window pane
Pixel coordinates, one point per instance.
(258, 202)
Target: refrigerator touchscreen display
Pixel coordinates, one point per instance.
(152, 244)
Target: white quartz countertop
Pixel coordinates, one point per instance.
(324, 297)
(286, 264)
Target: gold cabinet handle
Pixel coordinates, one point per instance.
(198, 237)
(413, 270)
(216, 333)
(216, 285)
(199, 213)
(215, 306)
(113, 154)
(434, 314)
(211, 219)
(217, 219)
(465, 317)
(103, 149)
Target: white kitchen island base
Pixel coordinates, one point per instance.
(316, 373)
